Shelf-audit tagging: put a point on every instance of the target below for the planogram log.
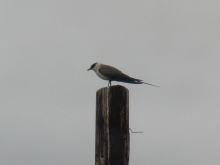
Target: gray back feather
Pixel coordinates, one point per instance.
(116, 75)
(109, 71)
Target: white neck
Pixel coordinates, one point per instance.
(96, 66)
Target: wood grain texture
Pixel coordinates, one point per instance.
(112, 126)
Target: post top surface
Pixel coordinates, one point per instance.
(112, 87)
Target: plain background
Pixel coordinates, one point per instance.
(47, 97)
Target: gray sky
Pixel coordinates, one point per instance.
(47, 100)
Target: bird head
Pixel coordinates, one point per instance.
(92, 66)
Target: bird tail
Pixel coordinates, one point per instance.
(125, 78)
(150, 84)
(138, 81)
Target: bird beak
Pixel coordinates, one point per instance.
(89, 69)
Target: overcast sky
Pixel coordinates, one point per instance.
(47, 97)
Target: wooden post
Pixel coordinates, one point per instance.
(112, 126)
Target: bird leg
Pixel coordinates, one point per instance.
(109, 83)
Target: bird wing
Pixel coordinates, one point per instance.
(109, 71)
(116, 75)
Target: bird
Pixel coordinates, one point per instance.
(107, 72)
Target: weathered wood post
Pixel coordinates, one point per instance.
(112, 126)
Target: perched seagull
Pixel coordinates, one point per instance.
(110, 73)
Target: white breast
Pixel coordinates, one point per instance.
(100, 75)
